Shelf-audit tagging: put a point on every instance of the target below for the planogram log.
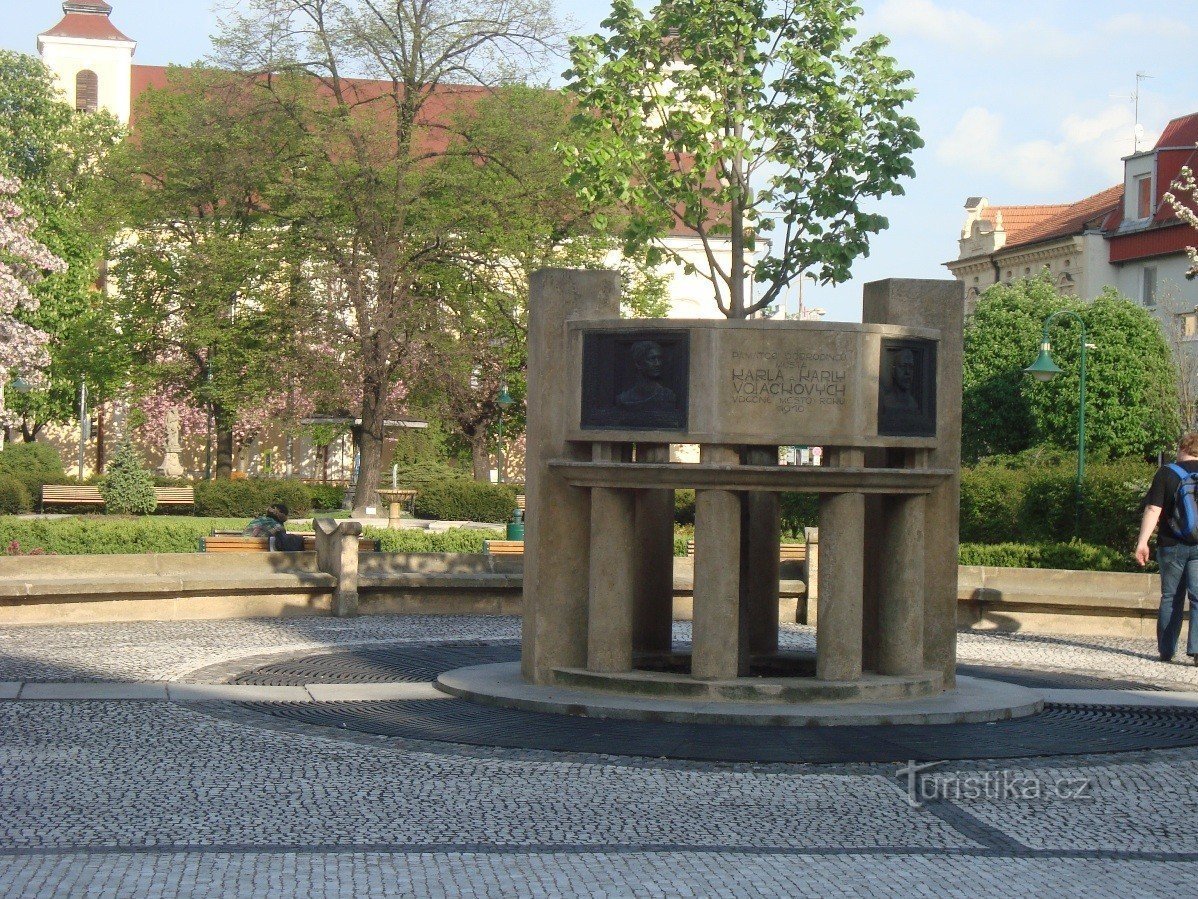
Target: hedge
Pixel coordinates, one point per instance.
(14, 497)
(465, 500)
(326, 497)
(1072, 556)
(250, 497)
(455, 540)
(33, 464)
(99, 536)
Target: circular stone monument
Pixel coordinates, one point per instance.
(607, 397)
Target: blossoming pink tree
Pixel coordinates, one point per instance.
(23, 262)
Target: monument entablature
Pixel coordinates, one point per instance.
(753, 383)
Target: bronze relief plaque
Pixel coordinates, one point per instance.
(635, 380)
(907, 388)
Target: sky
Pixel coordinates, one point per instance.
(1020, 101)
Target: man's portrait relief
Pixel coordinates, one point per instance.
(907, 388)
(635, 380)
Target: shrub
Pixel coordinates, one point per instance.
(990, 503)
(684, 507)
(14, 498)
(464, 500)
(33, 464)
(326, 497)
(229, 499)
(799, 511)
(295, 495)
(1072, 556)
(455, 540)
(87, 536)
(422, 474)
(128, 488)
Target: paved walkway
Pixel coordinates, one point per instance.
(162, 799)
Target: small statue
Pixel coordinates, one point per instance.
(171, 467)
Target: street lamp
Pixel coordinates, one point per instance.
(504, 401)
(1044, 369)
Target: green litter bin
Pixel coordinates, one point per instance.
(515, 527)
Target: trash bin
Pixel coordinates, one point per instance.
(515, 527)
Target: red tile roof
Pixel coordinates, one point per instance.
(94, 26)
(1181, 132)
(1040, 223)
(1017, 220)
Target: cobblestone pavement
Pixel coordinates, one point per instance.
(150, 799)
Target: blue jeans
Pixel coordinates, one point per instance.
(1179, 576)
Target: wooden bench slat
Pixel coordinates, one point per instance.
(89, 494)
(503, 547)
(787, 552)
(239, 543)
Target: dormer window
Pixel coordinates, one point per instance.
(1144, 197)
(87, 91)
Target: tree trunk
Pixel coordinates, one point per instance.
(101, 455)
(224, 444)
(480, 455)
(370, 449)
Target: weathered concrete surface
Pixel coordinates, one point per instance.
(941, 305)
(838, 639)
(720, 648)
(901, 587)
(612, 581)
(653, 553)
(557, 538)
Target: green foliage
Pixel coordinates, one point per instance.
(1072, 556)
(1038, 504)
(326, 497)
(102, 536)
(420, 475)
(128, 487)
(799, 511)
(455, 540)
(14, 498)
(33, 464)
(54, 150)
(684, 507)
(250, 497)
(781, 114)
(465, 500)
(1130, 380)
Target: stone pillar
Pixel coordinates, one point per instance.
(337, 554)
(719, 651)
(935, 304)
(556, 541)
(761, 537)
(841, 528)
(901, 587)
(653, 554)
(811, 535)
(613, 579)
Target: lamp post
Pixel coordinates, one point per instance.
(1044, 369)
(504, 401)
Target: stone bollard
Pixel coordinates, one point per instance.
(337, 554)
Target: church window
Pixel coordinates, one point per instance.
(87, 91)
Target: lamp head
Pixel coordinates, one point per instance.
(505, 399)
(1043, 369)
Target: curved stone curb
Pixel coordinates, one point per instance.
(975, 701)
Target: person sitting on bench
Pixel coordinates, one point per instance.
(274, 525)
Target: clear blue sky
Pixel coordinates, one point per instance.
(1023, 101)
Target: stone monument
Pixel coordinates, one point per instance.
(171, 467)
(607, 397)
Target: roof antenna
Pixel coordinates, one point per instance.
(1138, 131)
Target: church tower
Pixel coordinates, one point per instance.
(91, 60)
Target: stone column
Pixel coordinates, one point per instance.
(719, 650)
(761, 537)
(653, 553)
(935, 304)
(901, 587)
(337, 554)
(841, 530)
(811, 535)
(612, 573)
(556, 555)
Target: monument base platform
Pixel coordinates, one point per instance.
(973, 701)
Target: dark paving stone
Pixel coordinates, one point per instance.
(1060, 730)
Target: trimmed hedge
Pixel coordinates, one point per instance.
(465, 500)
(14, 498)
(326, 497)
(33, 464)
(1072, 556)
(250, 497)
(100, 536)
(455, 540)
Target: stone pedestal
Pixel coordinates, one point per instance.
(337, 554)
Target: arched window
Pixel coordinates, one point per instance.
(87, 91)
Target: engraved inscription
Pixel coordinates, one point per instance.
(790, 382)
(635, 380)
(907, 391)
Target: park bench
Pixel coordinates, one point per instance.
(787, 552)
(226, 542)
(89, 495)
(503, 547)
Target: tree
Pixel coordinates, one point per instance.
(1183, 198)
(1130, 380)
(726, 117)
(212, 297)
(53, 150)
(363, 205)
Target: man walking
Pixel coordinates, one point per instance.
(1171, 502)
